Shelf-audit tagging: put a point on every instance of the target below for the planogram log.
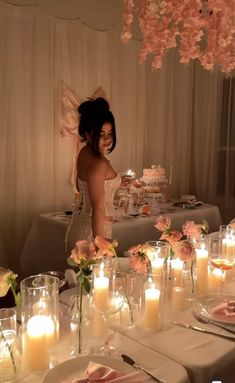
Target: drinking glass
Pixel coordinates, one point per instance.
(9, 350)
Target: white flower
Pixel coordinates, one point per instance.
(4, 283)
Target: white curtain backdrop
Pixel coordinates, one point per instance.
(169, 116)
(37, 52)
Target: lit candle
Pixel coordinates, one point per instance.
(178, 296)
(40, 335)
(202, 270)
(101, 290)
(177, 268)
(215, 279)
(157, 268)
(101, 293)
(150, 320)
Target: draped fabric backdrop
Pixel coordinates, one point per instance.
(167, 117)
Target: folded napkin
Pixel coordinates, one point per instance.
(98, 373)
(225, 308)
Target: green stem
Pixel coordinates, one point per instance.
(8, 347)
(80, 318)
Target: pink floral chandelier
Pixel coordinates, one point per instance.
(201, 29)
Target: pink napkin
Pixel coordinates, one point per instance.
(225, 308)
(98, 373)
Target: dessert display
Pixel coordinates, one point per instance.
(155, 174)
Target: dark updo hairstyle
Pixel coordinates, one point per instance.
(94, 113)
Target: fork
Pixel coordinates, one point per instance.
(208, 321)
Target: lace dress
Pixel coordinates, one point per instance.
(80, 225)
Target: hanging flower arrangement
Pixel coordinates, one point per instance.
(201, 29)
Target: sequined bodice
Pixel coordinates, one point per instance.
(111, 186)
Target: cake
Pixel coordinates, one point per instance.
(154, 174)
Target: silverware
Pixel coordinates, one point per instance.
(200, 329)
(130, 361)
(209, 321)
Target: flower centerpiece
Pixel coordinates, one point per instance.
(84, 255)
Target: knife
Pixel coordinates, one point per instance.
(200, 329)
(130, 361)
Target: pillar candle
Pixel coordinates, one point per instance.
(40, 335)
(177, 269)
(157, 268)
(178, 296)
(101, 290)
(151, 309)
(202, 270)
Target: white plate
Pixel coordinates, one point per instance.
(204, 305)
(74, 368)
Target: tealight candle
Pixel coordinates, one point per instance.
(177, 268)
(202, 270)
(150, 320)
(178, 296)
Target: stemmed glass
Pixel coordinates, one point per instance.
(108, 314)
(224, 262)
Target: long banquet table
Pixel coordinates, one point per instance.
(44, 247)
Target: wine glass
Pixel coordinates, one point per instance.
(224, 261)
(106, 311)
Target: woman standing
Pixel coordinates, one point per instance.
(96, 179)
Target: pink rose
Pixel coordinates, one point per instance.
(139, 263)
(83, 251)
(163, 223)
(171, 237)
(106, 247)
(184, 250)
(190, 229)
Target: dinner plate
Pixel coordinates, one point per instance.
(74, 368)
(204, 305)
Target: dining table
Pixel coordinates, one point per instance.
(44, 246)
(157, 364)
(172, 353)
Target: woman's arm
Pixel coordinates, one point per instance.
(96, 185)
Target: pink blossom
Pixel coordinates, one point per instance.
(190, 229)
(184, 250)
(171, 237)
(106, 247)
(83, 251)
(139, 263)
(163, 223)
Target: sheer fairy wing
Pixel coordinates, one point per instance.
(100, 93)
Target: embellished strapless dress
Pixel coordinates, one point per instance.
(80, 224)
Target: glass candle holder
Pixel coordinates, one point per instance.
(40, 321)
(151, 303)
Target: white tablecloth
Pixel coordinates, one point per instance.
(158, 364)
(44, 248)
(205, 357)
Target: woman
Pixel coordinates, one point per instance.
(96, 179)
